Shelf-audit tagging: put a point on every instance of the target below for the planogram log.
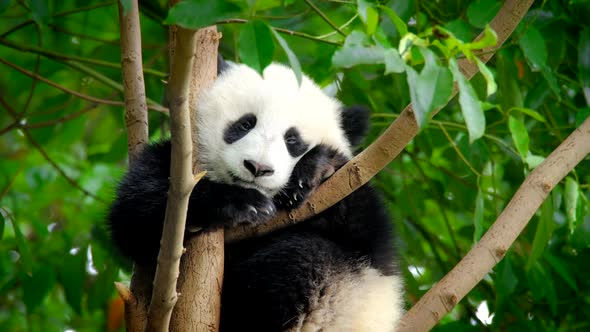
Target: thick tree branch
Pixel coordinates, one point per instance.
(164, 295)
(386, 147)
(492, 247)
(136, 120)
(201, 268)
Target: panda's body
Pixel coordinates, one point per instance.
(266, 144)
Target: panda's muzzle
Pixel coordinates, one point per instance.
(258, 169)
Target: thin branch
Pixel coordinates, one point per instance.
(283, 31)
(136, 299)
(56, 55)
(60, 14)
(324, 17)
(386, 147)
(42, 151)
(459, 153)
(347, 23)
(164, 295)
(72, 92)
(492, 247)
(36, 71)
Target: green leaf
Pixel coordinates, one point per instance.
(4, 4)
(533, 46)
(584, 57)
(572, 193)
(39, 12)
(126, 4)
(2, 224)
(562, 269)
(491, 86)
(481, 12)
(490, 38)
(461, 29)
(533, 114)
(582, 114)
(470, 104)
(36, 286)
(399, 24)
(72, 276)
(347, 57)
(195, 14)
(264, 4)
(295, 66)
(543, 233)
(541, 286)
(478, 216)
(101, 290)
(255, 45)
(505, 280)
(368, 15)
(393, 61)
(26, 257)
(520, 136)
(429, 89)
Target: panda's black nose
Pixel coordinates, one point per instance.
(258, 169)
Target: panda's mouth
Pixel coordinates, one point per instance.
(250, 184)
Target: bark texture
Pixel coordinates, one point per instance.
(136, 116)
(136, 119)
(492, 247)
(201, 268)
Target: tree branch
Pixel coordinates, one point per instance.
(386, 147)
(201, 268)
(136, 120)
(72, 92)
(492, 247)
(164, 295)
(42, 151)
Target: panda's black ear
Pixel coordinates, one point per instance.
(222, 65)
(355, 122)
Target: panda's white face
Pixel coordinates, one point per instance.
(253, 129)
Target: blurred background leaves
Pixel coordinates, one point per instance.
(60, 155)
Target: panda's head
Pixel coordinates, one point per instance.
(253, 129)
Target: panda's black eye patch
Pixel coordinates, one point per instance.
(239, 128)
(294, 142)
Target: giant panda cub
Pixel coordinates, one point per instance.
(266, 144)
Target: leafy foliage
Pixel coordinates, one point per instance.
(61, 155)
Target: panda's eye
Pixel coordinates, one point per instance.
(246, 125)
(291, 140)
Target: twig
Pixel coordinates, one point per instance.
(459, 153)
(59, 56)
(324, 17)
(60, 14)
(492, 247)
(283, 31)
(36, 71)
(42, 151)
(72, 92)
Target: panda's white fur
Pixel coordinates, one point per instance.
(278, 103)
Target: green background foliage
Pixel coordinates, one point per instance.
(60, 155)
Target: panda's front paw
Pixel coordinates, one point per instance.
(251, 207)
(295, 193)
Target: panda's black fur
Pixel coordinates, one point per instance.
(273, 282)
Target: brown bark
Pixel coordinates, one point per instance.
(386, 147)
(164, 294)
(201, 276)
(136, 119)
(492, 247)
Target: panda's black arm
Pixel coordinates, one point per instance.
(137, 214)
